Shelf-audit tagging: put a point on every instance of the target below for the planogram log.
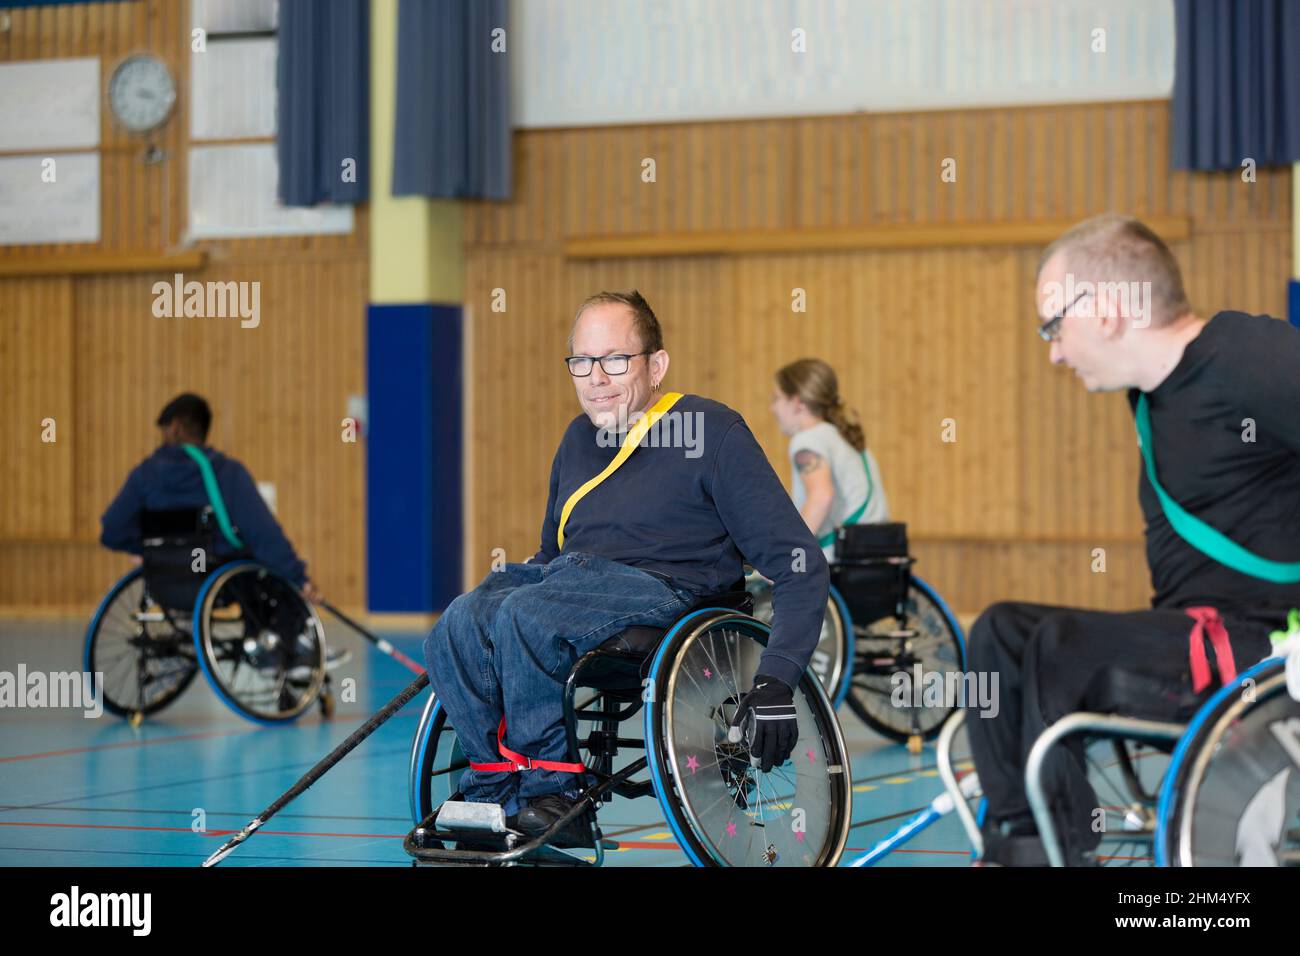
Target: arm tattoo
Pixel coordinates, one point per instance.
(807, 461)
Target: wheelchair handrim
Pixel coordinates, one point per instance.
(839, 638)
(203, 607)
(953, 623)
(424, 756)
(660, 726)
(947, 633)
(840, 689)
(1190, 761)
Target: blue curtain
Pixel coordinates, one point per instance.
(324, 101)
(453, 116)
(1236, 83)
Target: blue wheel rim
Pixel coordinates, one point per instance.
(1168, 799)
(201, 653)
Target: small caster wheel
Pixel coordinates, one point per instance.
(136, 719)
(914, 744)
(327, 705)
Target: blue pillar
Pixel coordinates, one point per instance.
(413, 457)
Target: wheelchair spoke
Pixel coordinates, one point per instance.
(138, 653)
(738, 814)
(268, 658)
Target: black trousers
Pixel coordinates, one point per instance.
(1053, 661)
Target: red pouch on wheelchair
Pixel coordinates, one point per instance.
(870, 584)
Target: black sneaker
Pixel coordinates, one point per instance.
(543, 811)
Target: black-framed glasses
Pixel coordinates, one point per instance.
(1050, 330)
(580, 366)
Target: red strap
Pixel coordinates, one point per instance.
(517, 762)
(1209, 623)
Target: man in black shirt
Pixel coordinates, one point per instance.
(1223, 397)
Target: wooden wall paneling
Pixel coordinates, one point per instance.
(1042, 471)
(279, 391)
(35, 365)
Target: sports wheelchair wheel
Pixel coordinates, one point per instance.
(143, 650)
(723, 810)
(259, 642)
(927, 635)
(832, 659)
(436, 761)
(1231, 795)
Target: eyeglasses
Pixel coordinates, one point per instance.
(580, 366)
(1050, 330)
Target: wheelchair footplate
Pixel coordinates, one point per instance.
(476, 834)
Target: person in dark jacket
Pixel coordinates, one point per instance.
(170, 479)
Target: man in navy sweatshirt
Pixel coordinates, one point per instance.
(169, 479)
(673, 523)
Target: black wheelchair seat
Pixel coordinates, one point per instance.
(168, 542)
(1126, 692)
(620, 663)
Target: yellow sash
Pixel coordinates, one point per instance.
(630, 444)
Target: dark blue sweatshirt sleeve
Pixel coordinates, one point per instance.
(768, 530)
(549, 550)
(257, 527)
(120, 524)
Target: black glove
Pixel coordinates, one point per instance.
(765, 721)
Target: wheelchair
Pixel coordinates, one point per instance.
(832, 659)
(1222, 789)
(882, 623)
(258, 642)
(686, 682)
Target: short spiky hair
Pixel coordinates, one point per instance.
(644, 322)
(1111, 247)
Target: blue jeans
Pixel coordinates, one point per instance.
(506, 647)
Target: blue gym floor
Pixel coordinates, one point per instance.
(78, 791)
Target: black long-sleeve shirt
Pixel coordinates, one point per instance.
(1238, 380)
(694, 513)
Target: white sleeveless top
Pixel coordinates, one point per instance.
(851, 481)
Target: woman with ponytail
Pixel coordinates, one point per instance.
(835, 478)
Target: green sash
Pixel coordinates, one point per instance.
(828, 538)
(214, 495)
(1196, 532)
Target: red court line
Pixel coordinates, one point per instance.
(126, 743)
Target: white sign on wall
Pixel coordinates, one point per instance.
(51, 198)
(233, 193)
(49, 104)
(232, 90)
